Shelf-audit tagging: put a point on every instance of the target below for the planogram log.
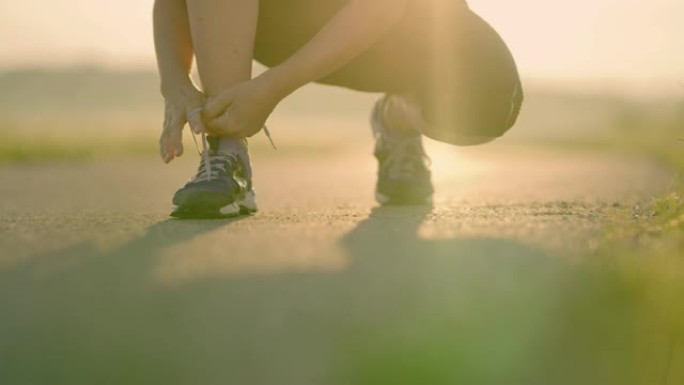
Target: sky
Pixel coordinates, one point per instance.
(580, 39)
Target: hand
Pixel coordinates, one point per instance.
(241, 111)
(177, 106)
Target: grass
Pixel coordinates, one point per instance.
(18, 150)
(14, 151)
(33, 143)
(21, 150)
(61, 136)
(643, 245)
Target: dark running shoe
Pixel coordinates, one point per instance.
(404, 176)
(222, 187)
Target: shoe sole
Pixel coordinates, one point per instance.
(386, 200)
(213, 205)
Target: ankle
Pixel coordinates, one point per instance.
(232, 145)
(401, 115)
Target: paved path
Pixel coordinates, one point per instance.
(99, 286)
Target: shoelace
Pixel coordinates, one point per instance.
(206, 171)
(401, 162)
(211, 165)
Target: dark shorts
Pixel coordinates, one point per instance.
(455, 64)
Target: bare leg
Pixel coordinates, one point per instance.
(417, 64)
(223, 33)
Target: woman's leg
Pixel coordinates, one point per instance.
(440, 61)
(223, 33)
(441, 57)
(402, 114)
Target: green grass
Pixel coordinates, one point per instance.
(53, 140)
(63, 137)
(643, 245)
(17, 150)
(20, 150)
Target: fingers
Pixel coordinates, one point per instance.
(177, 142)
(228, 125)
(195, 121)
(171, 140)
(215, 107)
(224, 125)
(185, 107)
(166, 152)
(166, 149)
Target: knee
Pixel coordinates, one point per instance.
(470, 140)
(402, 113)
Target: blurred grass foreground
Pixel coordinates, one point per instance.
(620, 320)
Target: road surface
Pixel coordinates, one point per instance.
(99, 286)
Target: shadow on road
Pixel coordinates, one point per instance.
(136, 255)
(406, 311)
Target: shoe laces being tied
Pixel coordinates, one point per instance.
(212, 164)
(208, 170)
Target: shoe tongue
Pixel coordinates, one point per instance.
(213, 144)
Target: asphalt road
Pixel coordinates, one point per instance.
(99, 286)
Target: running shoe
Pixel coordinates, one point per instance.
(221, 188)
(404, 176)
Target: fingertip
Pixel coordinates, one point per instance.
(201, 127)
(214, 107)
(211, 131)
(196, 124)
(208, 109)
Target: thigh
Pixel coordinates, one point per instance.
(286, 25)
(455, 64)
(394, 63)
